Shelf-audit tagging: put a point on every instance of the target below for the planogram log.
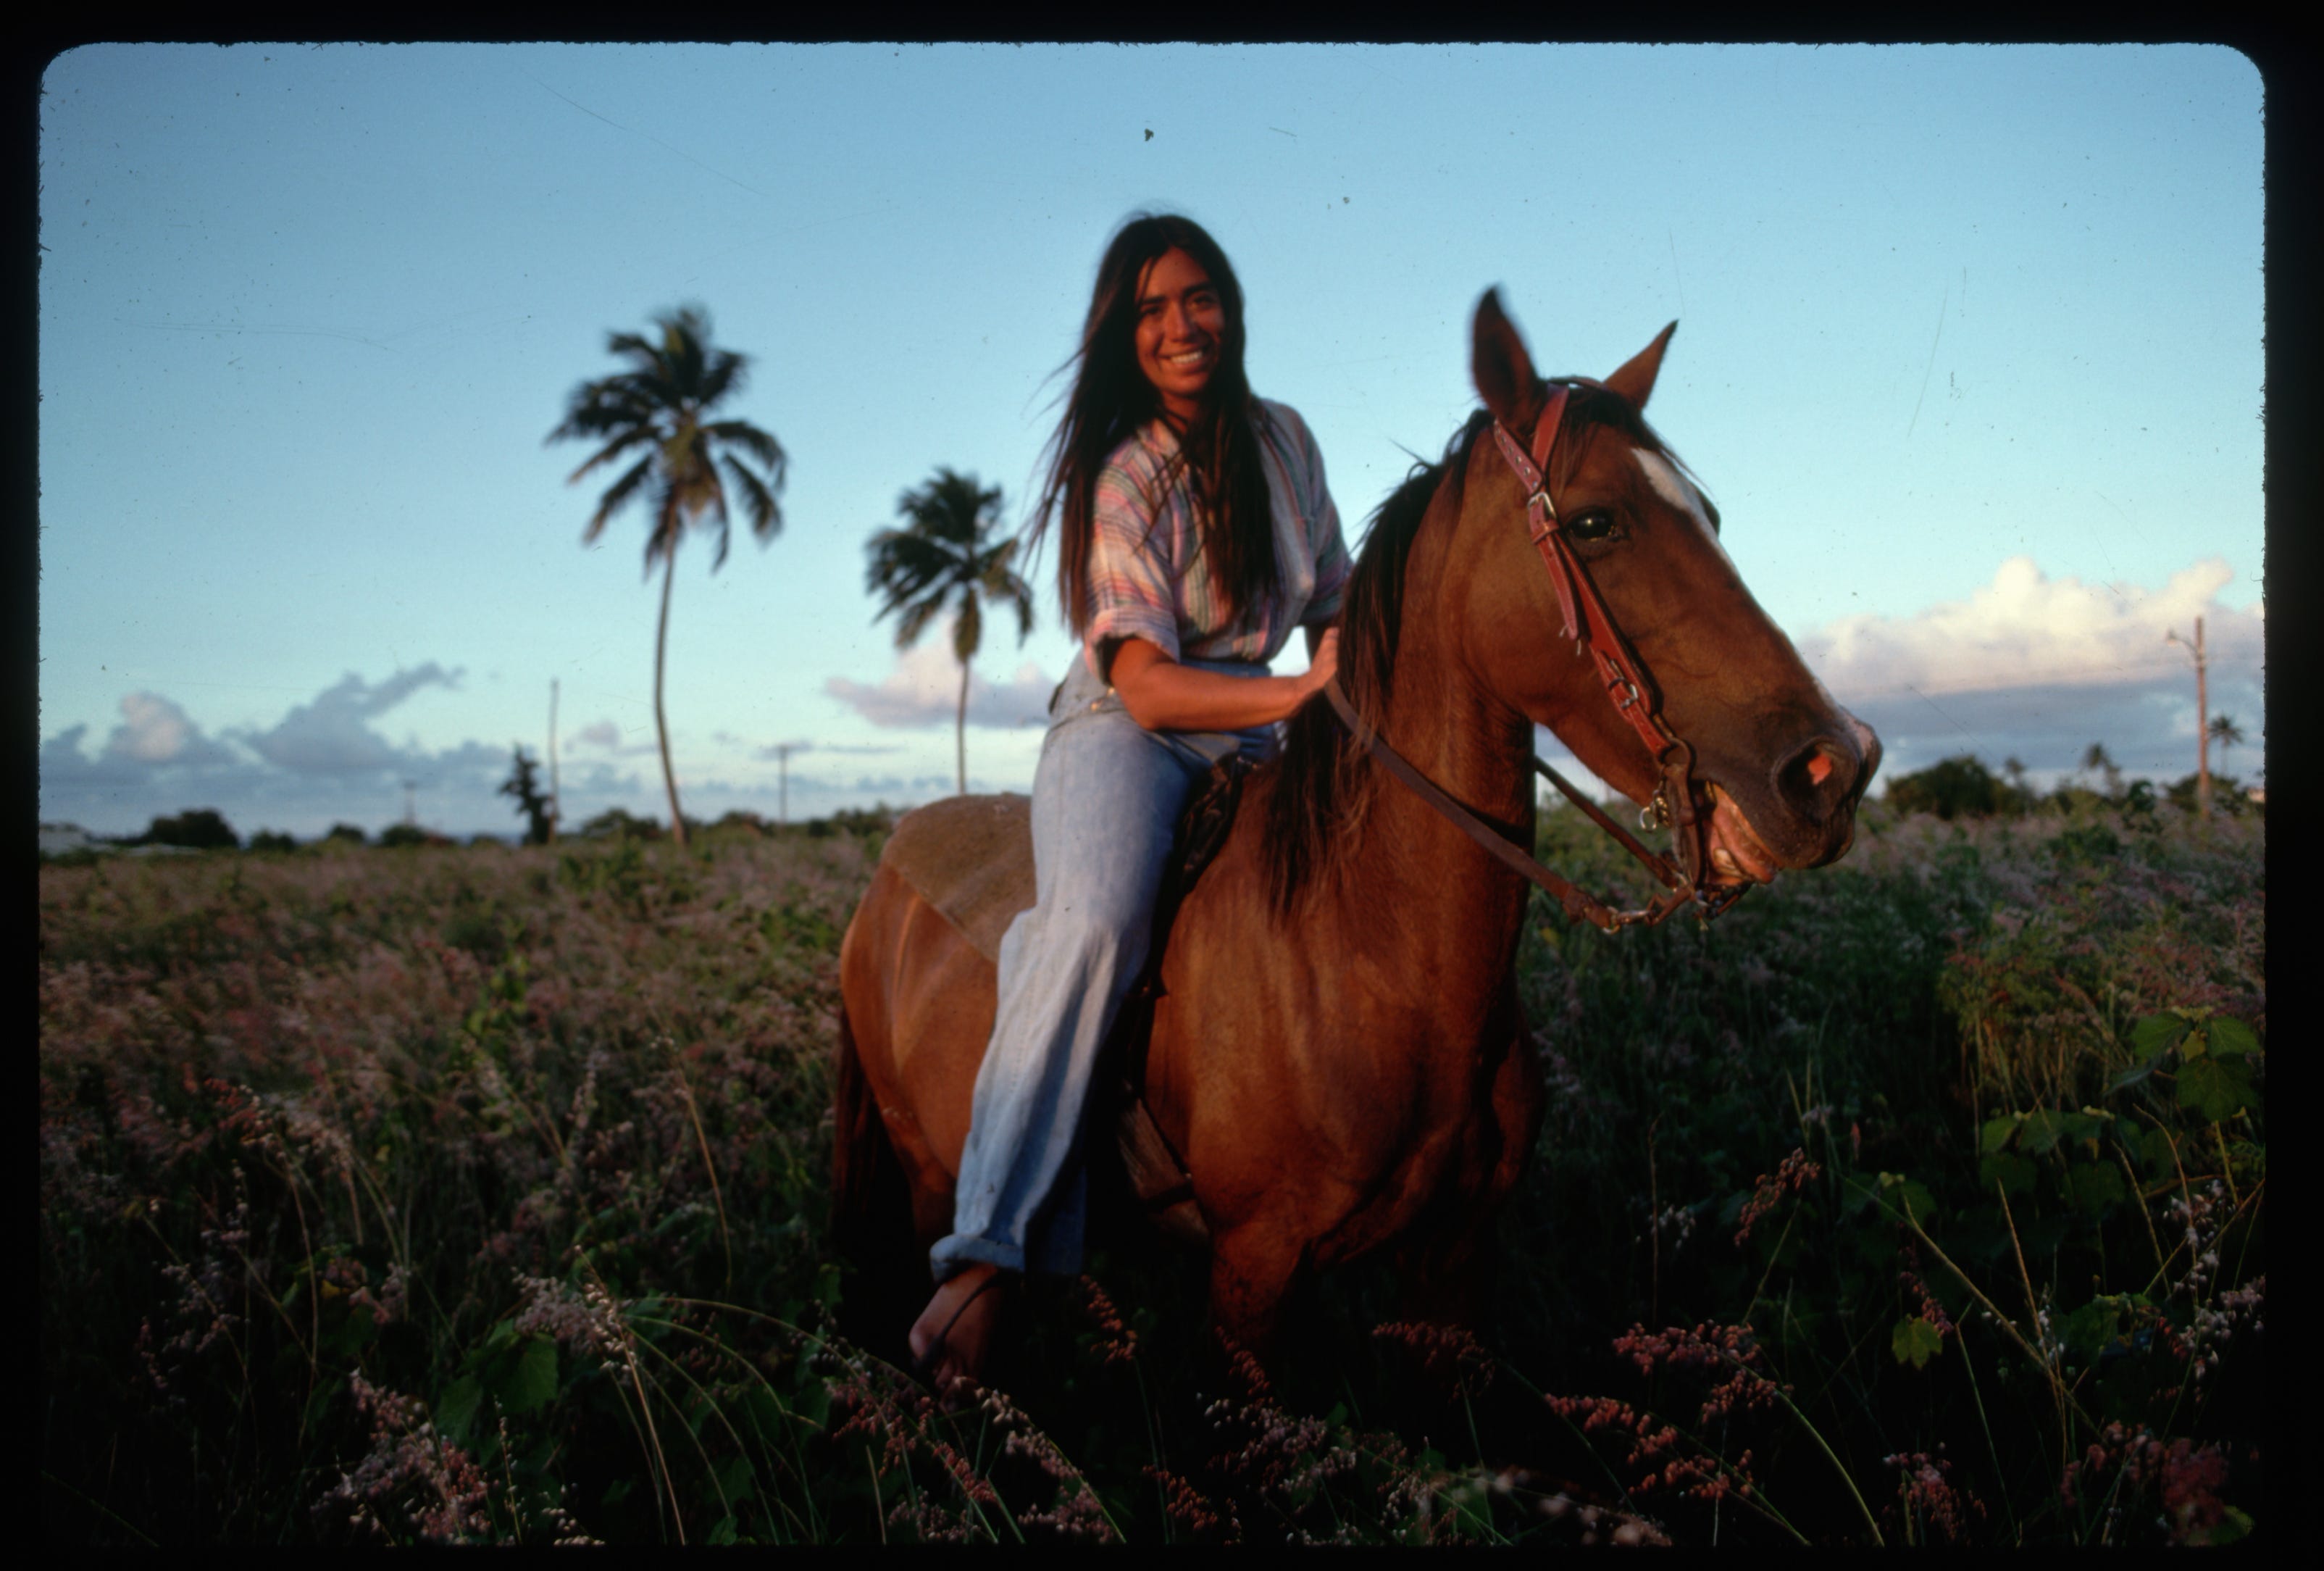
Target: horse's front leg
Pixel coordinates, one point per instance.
(1446, 1265)
(1253, 1270)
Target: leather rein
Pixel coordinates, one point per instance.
(1633, 693)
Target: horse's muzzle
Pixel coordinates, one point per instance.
(1816, 788)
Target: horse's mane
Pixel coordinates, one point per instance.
(1323, 781)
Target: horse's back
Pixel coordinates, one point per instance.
(971, 859)
(917, 984)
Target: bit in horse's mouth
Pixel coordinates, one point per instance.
(1737, 856)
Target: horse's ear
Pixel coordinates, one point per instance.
(1636, 379)
(1499, 364)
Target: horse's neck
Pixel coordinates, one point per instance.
(1475, 748)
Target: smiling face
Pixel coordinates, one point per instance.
(1182, 331)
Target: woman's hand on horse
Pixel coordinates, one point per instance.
(1322, 660)
(1162, 695)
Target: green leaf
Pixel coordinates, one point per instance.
(2194, 1045)
(534, 1383)
(2216, 1088)
(738, 1479)
(2081, 1126)
(2157, 1034)
(2236, 1525)
(1915, 1342)
(353, 1333)
(2247, 1160)
(680, 1217)
(455, 1410)
(1996, 1132)
(2093, 1187)
(2041, 1131)
(2013, 1172)
(2231, 1039)
(2089, 1329)
(2155, 1149)
(1908, 1196)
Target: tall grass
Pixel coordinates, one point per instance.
(479, 1195)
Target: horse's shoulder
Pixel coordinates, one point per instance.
(972, 859)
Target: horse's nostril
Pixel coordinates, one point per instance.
(1818, 777)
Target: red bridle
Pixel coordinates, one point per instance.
(1632, 692)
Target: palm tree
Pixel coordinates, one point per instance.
(944, 555)
(2227, 734)
(2014, 768)
(685, 464)
(2098, 759)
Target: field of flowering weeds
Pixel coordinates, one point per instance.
(479, 1195)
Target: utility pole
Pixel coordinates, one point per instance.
(410, 813)
(2203, 717)
(555, 809)
(783, 775)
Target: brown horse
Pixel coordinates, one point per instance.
(1338, 1053)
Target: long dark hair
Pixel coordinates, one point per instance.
(1111, 398)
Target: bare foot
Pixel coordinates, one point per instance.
(951, 1338)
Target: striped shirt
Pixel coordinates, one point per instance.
(1149, 577)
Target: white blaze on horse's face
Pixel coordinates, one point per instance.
(1671, 487)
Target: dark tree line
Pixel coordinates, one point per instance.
(1964, 786)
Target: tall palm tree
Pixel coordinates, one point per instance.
(944, 556)
(2099, 760)
(656, 409)
(2227, 734)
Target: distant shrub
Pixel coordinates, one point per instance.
(272, 840)
(620, 824)
(1956, 787)
(2226, 794)
(862, 822)
(196, 829)
(349, 832)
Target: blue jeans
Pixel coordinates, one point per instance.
(1106, 800)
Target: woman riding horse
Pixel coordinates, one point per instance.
(1196, 532)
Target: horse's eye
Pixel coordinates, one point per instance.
(1595, 524)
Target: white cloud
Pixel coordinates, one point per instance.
(607, 737)
(331, 735)
(853, 749)
(155, 731)
(2038, 668)
(320, 763)
(923, 689)
(2026, 629)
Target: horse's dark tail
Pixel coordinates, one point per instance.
(870, 1209)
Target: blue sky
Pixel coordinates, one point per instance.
(1969, 355)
